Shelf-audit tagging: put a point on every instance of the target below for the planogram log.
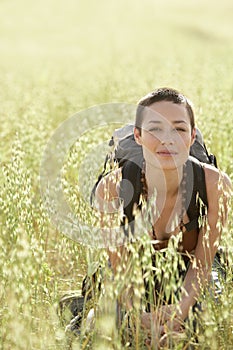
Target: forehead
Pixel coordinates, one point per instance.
(165, 112)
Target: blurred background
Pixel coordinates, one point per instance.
(63, 56)
(116, 50)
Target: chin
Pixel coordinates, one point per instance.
(164, 163)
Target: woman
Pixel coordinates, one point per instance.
(165, 129)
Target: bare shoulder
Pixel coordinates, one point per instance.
(219, 189)
(108, 187)
(216, 179)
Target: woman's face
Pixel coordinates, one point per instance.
(166, 135)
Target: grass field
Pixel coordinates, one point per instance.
(59, 58)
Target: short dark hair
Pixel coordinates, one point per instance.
(163, 94)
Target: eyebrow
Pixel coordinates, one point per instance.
(174, 122)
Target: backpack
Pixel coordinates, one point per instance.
(126, 153)
(73, 308)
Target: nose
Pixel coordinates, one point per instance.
(167, 138)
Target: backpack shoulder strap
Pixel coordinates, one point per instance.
(195, 182)
(130, 191)
(199, 151)
(199, 181)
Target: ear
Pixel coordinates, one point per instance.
(193, 136)
(137, 136)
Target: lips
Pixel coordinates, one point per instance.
(167, 153)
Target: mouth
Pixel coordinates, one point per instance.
(167, 153)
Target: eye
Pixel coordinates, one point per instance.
(180, 129)
(155, 129)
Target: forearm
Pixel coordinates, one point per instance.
(195, 281)
(120, 261)
(198, 274)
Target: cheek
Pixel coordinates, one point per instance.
(189, 142)
(149, 141)
(184, 141)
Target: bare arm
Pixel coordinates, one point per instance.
(171, 317)
(218, 188)
(107, 195)
(107, 199)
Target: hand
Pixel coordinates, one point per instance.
(172, 336)
(158, 318)
(164, 341)
(173, 325)
(151, 328)
(161, 326)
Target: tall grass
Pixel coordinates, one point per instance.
(58, 58)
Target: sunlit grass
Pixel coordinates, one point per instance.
(58, 58)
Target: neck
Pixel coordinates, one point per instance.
(163, 181)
